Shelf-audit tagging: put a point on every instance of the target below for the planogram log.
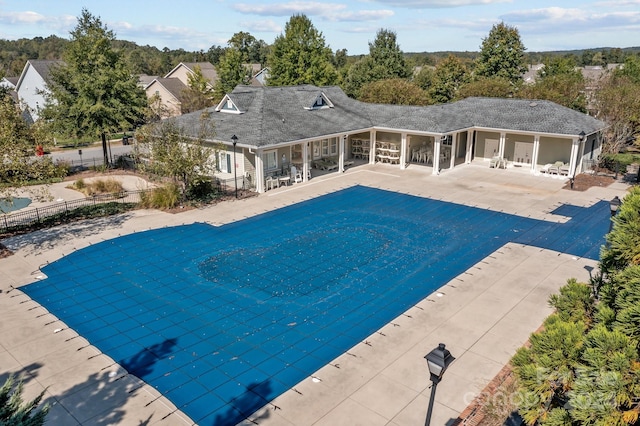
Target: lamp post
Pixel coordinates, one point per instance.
(437, 360)
(234, 139)
(614, 204)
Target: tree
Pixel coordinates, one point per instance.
(491, 87)
(623, 242)
(198, 94)
(14, 412)
(617, 102)
(502, 54)
(567, 89)
(424, 78)
(450, 74)
(231, 72)
(18, 143)
(558, 65)
(299, 56)
(384, 61)
(214, 53)
(94, 92)
(250, 48)
(395, 91)
(177, 153)
(584, 367)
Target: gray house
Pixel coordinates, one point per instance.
(321, 127)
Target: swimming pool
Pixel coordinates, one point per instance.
(222, 320)
(14, 204)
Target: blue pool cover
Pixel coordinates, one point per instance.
(222, 320)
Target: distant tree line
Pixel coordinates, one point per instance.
(299, 55)
(154, 61)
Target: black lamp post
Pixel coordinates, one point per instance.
(437, 360)
(614, 204)
(234, 139)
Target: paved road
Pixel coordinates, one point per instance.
(90, 153)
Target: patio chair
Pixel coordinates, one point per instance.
(271, 183)
(554, 169)
(296, 174)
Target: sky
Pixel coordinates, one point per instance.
(420, 25)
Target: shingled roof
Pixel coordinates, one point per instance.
(277, 115)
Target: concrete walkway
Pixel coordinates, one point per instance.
(483, 315)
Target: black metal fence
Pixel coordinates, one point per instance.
(30, 217)
(244, 183)
(121, 161)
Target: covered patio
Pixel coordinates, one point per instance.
(321, 129)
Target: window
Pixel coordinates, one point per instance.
(325, 147)
(333, 146)
(222, 162)
(316, 150)
(270, 159)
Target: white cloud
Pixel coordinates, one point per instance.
(326, 11)
(439, 4)
(287, 9)
(538, 21)
(266, 26)
(59, 23)
(27, 17)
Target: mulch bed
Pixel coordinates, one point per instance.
(584, 181)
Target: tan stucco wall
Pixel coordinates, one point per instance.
(171, 106)
(481, 137)
(510, 144)
(554, 149)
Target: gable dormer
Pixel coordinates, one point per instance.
(228, 106)
(321, 101)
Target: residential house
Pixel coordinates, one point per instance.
(9, 83)
(165, 96)
(144, 80)
(260, 76)
(32, 85)
(321, 127)
(183, 70)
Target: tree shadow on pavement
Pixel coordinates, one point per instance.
(47, 239)
(100, 399)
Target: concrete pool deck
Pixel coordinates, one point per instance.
(484, 315)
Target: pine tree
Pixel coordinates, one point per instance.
(14, 412)
(385, 61)
(502, 54)
(299, 56)
(93, 92)
(198, 94)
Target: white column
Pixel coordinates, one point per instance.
(436, 156)
(503, 140)
(535, 153)
(578, 168)
(454, 150)
(341, 153)
(403, 151)
(573, 161)
(372, 147)
(305, 161)
(259, 172)
(469, 153)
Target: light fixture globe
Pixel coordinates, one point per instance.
(438, 360)
(614, 205)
